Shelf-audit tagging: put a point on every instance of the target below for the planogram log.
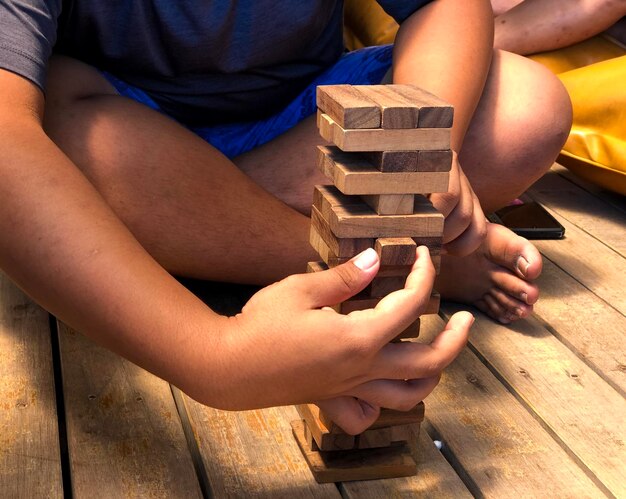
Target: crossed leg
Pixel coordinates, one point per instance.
(203, 216)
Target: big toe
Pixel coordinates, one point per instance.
(509, 250)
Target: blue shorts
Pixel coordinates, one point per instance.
(366, 66)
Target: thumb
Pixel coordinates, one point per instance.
(339, 283)
(352, 415)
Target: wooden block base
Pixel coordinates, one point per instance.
(344, 466)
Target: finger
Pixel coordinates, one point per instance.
(352, 415)
(408, 360)
(320, 289)
(398, 395)
(398, 310)
(461, 216)
(473, 235)
(446, 202)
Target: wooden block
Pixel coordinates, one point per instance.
(379, 139)
(396, 250)
(324, 439)
(371, 439)
(433, 111)
(348, 107)
(316, 267)
(392, 161)
(382, 286)
(360, 221)
(384, 437)
(391, 204)
(413, 331)
(396, 110)
(390, 417)
(368, 464)
(434, 161)
(405, 433)
(352, 175)
(342, 248)
(394, 270)
(324, 251)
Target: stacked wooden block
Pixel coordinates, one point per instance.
(391, 148)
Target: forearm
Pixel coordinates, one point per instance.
(72, 255)
(446, 48)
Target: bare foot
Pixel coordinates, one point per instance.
(497, 278)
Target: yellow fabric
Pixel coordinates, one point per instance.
(593, 71)
(596, 147)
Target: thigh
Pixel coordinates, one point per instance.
(517, 131)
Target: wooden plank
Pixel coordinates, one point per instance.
(435, 478)
(581, 410)
(30, 458)
(382, 286)
(434, 161)
(396, 250)
(353, 176)
(501, 448)
(344, 247)
(348, 107)
(588, 212)
(585, 323)
(392, 161)
(253, 453)
(434, 112)
(324, 251)
(378, 139)
(125, 438)
(391, 204)
(589, 261)
(360, 221)
(616, 200)
(396, 110)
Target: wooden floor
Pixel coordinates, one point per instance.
(532, 410)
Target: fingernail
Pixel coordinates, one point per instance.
(525, 297)
(522, 265)
(366, 259)
(519, 312)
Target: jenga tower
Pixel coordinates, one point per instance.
(391, 147)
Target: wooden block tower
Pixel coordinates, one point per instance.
(391, 147)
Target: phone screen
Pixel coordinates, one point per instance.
(529, 220)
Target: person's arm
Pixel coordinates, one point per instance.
(446, 48)
(538, 25)
(63, 245)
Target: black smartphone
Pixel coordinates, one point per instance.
(529, 220)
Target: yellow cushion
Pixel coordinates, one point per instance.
(593, 71)
(596, 147)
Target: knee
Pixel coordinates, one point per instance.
(541, 114)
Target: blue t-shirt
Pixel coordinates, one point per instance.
(202, 61)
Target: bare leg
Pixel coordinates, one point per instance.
(538, 25)
(187, 204)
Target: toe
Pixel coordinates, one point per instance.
(496, 311)
(513, 252)
(512, 285)
(515, 308)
